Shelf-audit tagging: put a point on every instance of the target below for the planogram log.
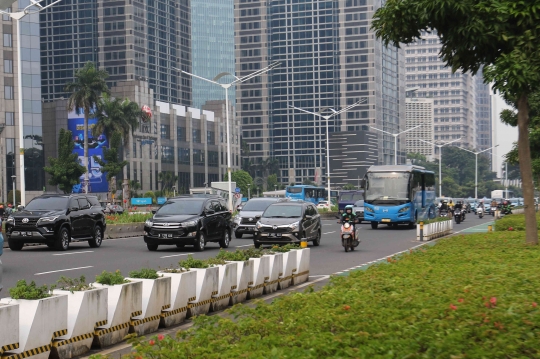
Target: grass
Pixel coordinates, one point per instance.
(514, 221)
(471, 296)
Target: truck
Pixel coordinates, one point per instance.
(497, 194)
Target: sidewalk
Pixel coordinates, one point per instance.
(481, 228)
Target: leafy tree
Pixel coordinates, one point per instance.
(499, 36)
(86, 90)
(272, 182)
(111, 163)
(349, 187)
(308, 182)
(65, 170)
(242, 179)
(17, 197)
(168, 180)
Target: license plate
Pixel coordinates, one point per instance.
(386, 220)
(274, 234)
(165, 235)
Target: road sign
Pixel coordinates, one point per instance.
(237, 195)
(237, 190)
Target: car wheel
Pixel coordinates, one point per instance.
(238, 235)
(62, 242)
(374, 225)
(201, 242)
(97, 239)
(256, 244)
(317, 240)
(15, 245)
(152, 247)
(225, 240)
(180, 245)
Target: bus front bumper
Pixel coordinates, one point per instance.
(399, 218)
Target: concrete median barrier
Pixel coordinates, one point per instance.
(183, 289)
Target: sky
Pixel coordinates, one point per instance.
(504, 136)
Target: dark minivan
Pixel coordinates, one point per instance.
(189, 220)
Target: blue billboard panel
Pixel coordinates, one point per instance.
(141, 201)
(97, 178)
(161, 200)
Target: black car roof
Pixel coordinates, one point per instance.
(290, 203)
(65, 195)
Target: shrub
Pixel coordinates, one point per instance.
(237, 255)
(285, 248)
(31, 291)
(111, 278)
(128, 217)
(191, 262)
(73, 284)
(144, 273)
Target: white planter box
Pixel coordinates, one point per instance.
(226, 284)
(261, 274)
(40, 322)
(289, 269)
(156, 297)
(183, 290)
(435, 230)
(9, 327)
(124, 302)
(207, 288)
(87, 310)
(275, 270)
(302, 260)
(244, 279)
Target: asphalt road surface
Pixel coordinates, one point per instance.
(45, 266)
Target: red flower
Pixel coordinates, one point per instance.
(493, 301)
(498, 325)
(461, 300)
(510, 228)
(534, 304)
(160, 337)
(151, 342)
(453, 307)
(487, 305)
(346, 307)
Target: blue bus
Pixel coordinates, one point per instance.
(400, 194)
(349, 197)
(307, 193)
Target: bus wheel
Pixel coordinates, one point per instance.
(374, 225)
(412, 225)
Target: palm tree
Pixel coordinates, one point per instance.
(109, 117)
(86, 90)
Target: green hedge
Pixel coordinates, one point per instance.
(469, 296)
(514, 221)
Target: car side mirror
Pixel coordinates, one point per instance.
(209, 211)
(73, 209)
(307, 216)
(258, 216)
(154, 211)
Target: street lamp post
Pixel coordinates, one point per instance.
(440, 159)
(395, 138)
(476, 167)
(249, 194)
(17, 16)
(226, 86)
(14, 197)
(327, 118)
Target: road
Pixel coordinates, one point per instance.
(45, 266)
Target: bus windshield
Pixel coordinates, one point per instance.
(294, 189)
(387, 186)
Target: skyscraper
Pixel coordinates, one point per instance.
(132, 40)
(456, 97)
(420, 113)
(329, 59)
(212, 29)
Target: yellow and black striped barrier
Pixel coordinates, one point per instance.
(100, 332)
(192, 299)
(221, 297)
(166, 306)
(173, 312)
(100, 323)
(59, 333)
(257, 286)
(198, 304)
(137, 322)
(136, 314)
(29, 353)
(78, 338)
(300, 274)
(8, 347)
(271, 282)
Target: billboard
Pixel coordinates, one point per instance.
(97, 178)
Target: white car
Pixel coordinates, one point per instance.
(323, 204)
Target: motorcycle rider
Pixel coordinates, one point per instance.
(451, 207)
(443, 207)
(506, 208)
(459, 206)
(349, 216)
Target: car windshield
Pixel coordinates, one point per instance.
(359, 203)
(283, 212)
(257, 205)
(193, 207)
(387, 185)
(47, 204)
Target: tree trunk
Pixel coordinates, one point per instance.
(86, 181)
(524, 153)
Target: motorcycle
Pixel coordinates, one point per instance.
(480, 212)
(443, 213)
(493, 209)
(349, 238)
(459, 215)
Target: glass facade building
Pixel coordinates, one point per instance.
(329, 59)
(212, 32)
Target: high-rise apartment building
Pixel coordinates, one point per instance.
(10, 116)
(212, 33)
(456, 96)
(420, 113)
(329, 59)
(132, 40)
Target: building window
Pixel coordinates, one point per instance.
(165, 131)
(196, 136)
(8, 66)
(10, 118)
(213, 159)
(198, 157)
(8, 42)
(183, 156)
(6, 17)
(8, 92)
(181, 133)
(210, 137)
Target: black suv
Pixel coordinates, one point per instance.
(288, 222)
(192, 220)
(57, 220)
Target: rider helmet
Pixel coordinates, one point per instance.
(349, 208)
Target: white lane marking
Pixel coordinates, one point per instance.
(65, 254)
(63, 270)
(328, 224)
(176, 255)
(329, 232)
(245, 245)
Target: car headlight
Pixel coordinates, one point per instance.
(149, 223)
(47, 219)
(189, 223)
(10, 219)
(404, 209)
(258, 225)
(368, 209)
(237, 219)
(294, 225)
